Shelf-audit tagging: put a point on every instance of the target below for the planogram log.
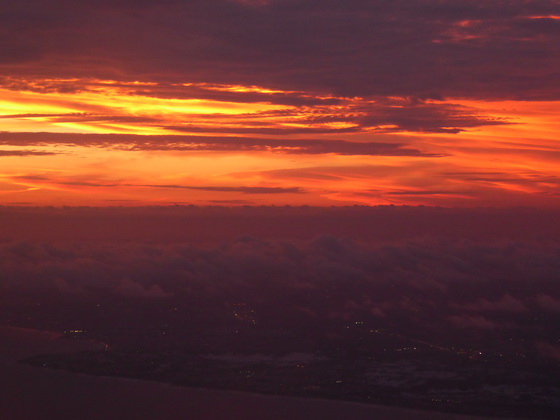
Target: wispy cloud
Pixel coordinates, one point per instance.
(68, 181)
(241, 110)
(244, 190)
(224, 144)
(20, 153)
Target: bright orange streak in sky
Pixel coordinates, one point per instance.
(110, 101)
(508, 164)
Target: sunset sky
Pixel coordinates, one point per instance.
(280, 102)
(255, 177)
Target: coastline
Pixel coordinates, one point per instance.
(42, 393)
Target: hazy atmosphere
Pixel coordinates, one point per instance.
(265, 102)
(321, 200)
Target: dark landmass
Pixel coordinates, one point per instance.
(350, 361)
(441, 309)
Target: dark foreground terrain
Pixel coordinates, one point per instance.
(353, 362)
(441, 309)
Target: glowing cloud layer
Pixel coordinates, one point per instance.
(280, 102)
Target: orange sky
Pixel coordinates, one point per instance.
(232, 102)
(511, 163)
